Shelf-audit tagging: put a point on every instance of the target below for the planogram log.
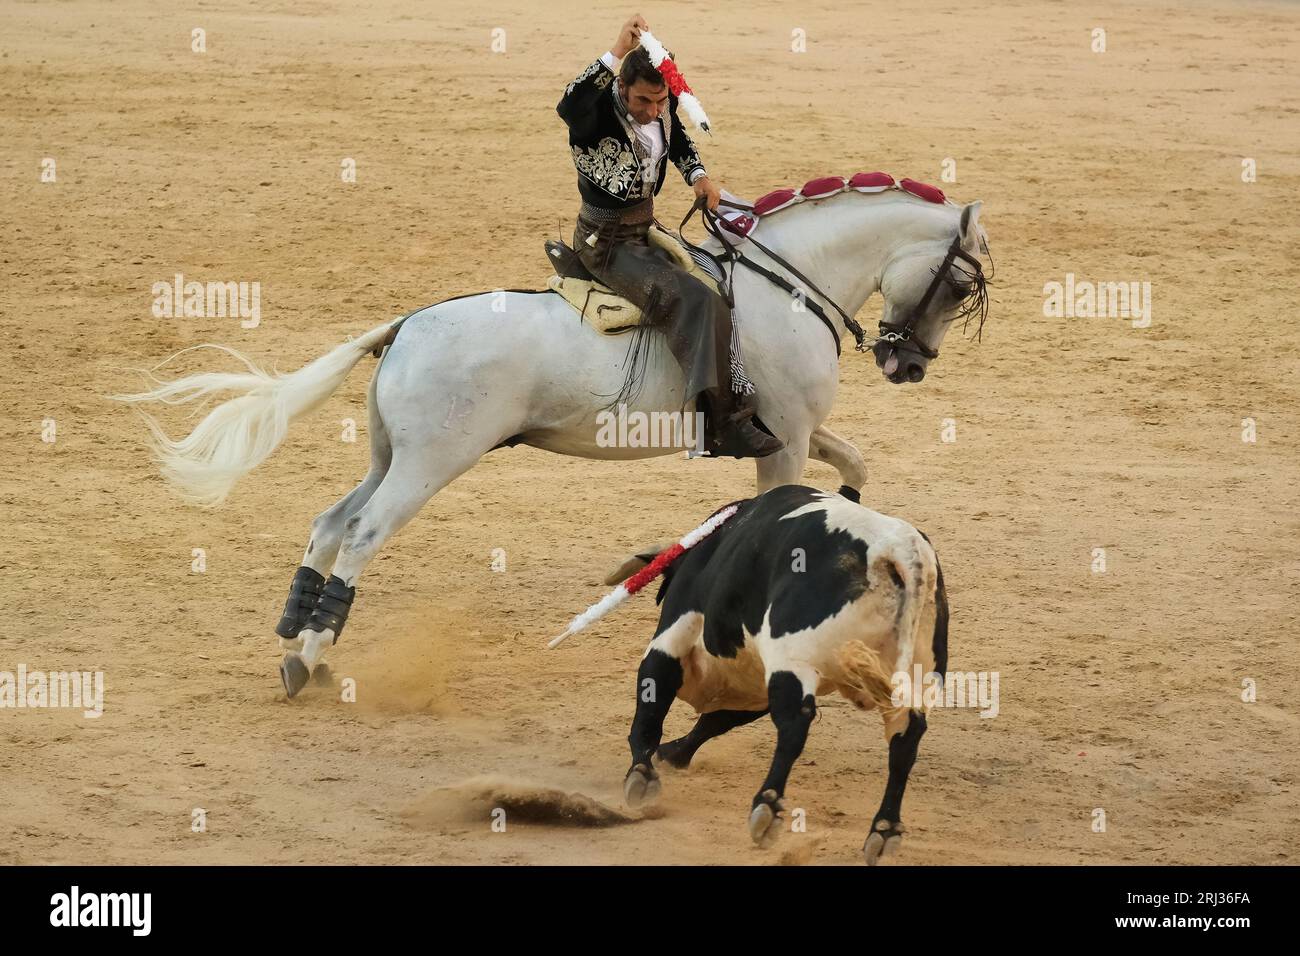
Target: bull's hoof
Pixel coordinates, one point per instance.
(294, 673)
(763, 817)
(675, 754)
(641, 786)
(885, 841)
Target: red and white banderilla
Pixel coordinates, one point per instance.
(647, 574)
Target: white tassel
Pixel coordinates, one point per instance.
(694, 110)
(657, 51)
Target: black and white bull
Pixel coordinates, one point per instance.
(801, 593)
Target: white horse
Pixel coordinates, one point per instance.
(470, 374)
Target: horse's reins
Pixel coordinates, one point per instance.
(897, 336)
(734, 255)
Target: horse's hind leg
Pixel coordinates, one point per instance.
(415, 476)
(327, 535)
(322, 548)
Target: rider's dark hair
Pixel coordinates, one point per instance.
(637, 66)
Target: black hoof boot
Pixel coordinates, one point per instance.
(331, 611)
(303, 595)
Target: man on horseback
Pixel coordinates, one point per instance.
(621, 134)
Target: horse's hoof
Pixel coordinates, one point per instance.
(294, 673)
(293, 644)
(641, 786)
(761, 819)
(886, 841)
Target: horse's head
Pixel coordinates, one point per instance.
(927, 285)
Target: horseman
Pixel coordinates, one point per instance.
(622, 131)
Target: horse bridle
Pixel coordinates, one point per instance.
(897, 336)
(900, 336)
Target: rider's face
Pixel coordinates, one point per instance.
(645, 102)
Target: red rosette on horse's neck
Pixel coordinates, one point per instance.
(677, 84)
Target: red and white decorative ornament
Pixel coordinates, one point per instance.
(647, 574)
(823, 187)
(677, 85)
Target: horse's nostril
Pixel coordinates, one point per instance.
(915, 372)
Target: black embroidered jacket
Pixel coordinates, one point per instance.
(606, 150)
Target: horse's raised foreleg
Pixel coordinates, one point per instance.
(825, 445)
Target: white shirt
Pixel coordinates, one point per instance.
(650, 134)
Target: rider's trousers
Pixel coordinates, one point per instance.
(696, 321)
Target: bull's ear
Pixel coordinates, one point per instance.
(631, 565)
(969, 228)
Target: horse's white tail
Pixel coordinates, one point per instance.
(241, 433)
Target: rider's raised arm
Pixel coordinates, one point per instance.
(682, 150)
(577, 107)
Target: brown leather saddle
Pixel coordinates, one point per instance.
(598, 305)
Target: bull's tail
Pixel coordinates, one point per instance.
(242, 432)
(910, 562)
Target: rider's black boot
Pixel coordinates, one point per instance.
(732, 429)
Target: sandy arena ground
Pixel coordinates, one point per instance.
(1120, 690)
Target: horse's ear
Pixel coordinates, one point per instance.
(970, 226)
